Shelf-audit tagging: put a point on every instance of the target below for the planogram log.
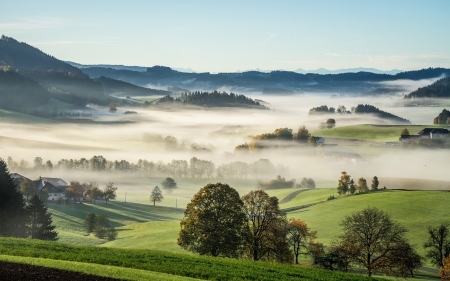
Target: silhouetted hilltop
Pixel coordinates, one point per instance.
(439, 89)
(23, 56)
(367, 108)
(121, 88)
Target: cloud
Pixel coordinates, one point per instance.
(21, 24)
(273, 35)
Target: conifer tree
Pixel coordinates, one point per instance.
(40, 222)
(12, 215)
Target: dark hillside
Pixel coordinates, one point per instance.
(367, 108)
(439, 89)
(19, 91)
(23, 56)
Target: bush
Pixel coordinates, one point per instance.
(279, 182)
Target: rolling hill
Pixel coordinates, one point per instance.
(439, 89)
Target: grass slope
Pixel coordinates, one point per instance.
(413, 209)
(371, 132)
(69, 221)
(96, 269)
(201, 267)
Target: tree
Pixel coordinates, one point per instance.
(266, 239)
(102, 228)
(39, 225)
(74, 191)
(445, 270)
(331, 123)
(405, 132)
(89, 222)
(169, 184)
(214, 222)
(322, 125)
(352, 187)
(27, 188)
(362, 185)
(299, 236)
(12, 206)
(343, 183)
(438, 244)
(375, 183)
(284, 134)
(93, 192)
(38, 163)
(302, 135)
(370, 238)
(311, 183)
(109, 192)
(48, 165)
(156, 195)
(404, 261)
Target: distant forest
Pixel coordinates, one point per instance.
(121, 88)
(359, 109)
(439, 89)
(212, 99)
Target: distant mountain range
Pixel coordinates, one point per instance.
(125, 67)
(349, 70)
(255, 81)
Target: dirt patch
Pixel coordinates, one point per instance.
(18, 272)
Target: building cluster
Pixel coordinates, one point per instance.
(55, 187)
(427, 133)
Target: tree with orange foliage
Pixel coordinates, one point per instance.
(445, 270)
(299, 236)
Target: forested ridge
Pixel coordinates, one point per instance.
(213, 99)
(439, 89)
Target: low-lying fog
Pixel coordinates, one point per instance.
(221, 130)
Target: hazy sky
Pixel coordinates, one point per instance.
(230, 35)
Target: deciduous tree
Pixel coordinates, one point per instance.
(362, 185)
(299, 237)
(375, 183)
(438, 244)
(109, 192)
(214, 222)
(156, 195)
(27, 188)
(89, 222)
(169, 184)
(343, 183)
(103, 229)
(370, 238)
(265, 240)
(302, 135)
(405, 132)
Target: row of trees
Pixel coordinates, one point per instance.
(281, 137)
(346, 185)
(218, 222)
(194, 168)
(20, 219)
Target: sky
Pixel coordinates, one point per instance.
(228, 36)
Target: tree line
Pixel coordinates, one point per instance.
(19, 218)
(194, 168)
(281, 137)
(359, 109)
(212, 99)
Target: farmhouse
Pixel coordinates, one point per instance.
(55, 187)
(426, 133)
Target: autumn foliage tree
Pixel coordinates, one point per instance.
(343, 183)
(214, 222)
(299, 236)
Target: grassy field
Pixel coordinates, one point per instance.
(126, 216)
(371, 132)
(200, 267)
(413, 209)
(96, 269)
